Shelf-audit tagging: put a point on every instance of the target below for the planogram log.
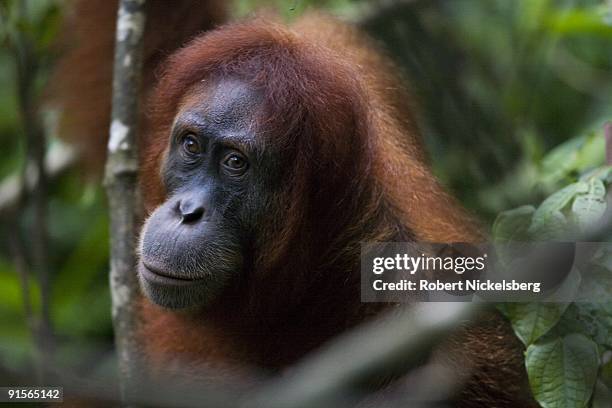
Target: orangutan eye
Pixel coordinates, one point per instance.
(235, 164)
(191, 145)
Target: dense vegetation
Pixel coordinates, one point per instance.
(513, 97)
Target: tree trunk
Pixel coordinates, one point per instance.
(121, 186)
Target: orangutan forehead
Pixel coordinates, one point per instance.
(227, 105)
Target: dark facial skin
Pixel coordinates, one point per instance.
(197, 242)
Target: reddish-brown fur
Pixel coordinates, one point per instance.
(335, 105)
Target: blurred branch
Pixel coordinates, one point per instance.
(27, 69)
(121, 187)
(579, 74)
(58, 159)
(386, 347)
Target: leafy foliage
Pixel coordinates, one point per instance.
(565, 341)
(562, 371)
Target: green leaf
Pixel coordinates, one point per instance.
(597, 282)
(561, 198)
(513, 225)
(577, 155)
(590, 207)
(554, 226)
(561, 160)
(580, 21)
(603, 173)
(549, 210)
(591, 319)
(597, 188)
(591, 312)
(531, 321)
(592, 153)
(562, 372)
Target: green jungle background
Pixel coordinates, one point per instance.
(512, 96)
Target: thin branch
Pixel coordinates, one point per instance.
(121, 186)
(27, 71)
(18, 250)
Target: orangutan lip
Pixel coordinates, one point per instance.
(154, 274)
